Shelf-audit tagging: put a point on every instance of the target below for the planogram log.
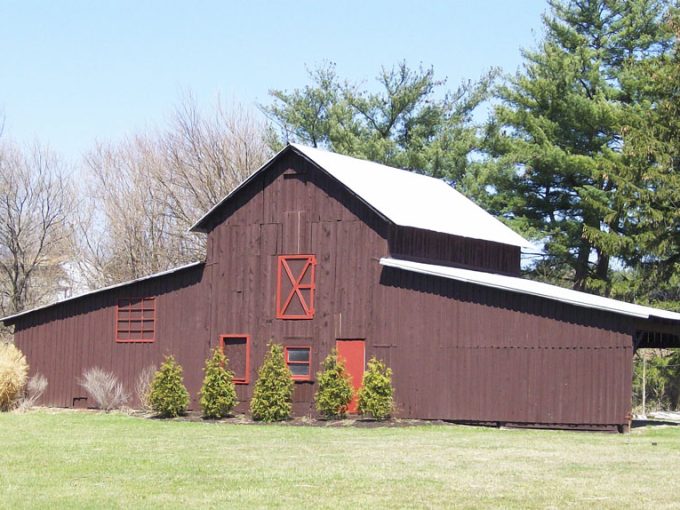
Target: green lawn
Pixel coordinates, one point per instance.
(88, 460)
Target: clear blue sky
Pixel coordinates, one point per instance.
(75, 72)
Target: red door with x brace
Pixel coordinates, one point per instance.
(295, 287)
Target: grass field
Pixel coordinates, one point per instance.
(88, 460)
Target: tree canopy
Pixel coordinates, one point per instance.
(410, 121)
(556, 142)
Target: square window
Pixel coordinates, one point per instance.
(136, 320)
(237, 350)
(295, 285)
(299, 361)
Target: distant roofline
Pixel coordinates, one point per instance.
(11, 318)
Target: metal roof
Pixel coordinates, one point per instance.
(533, 288)
(405, 198)
(103, 289)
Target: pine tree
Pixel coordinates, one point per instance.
(335, 388)
(168, 396)
(376, 393)
(556, 137)
(652, 150)
(218, 394)
(273, 393)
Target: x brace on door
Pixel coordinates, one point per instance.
(302, 290)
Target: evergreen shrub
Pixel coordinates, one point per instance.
(168, 396)
(376, 392)
(335, 388)
(273, 393)
(218, 394)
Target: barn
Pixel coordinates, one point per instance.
(317, 250)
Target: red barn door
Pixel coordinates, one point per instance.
(354, 354)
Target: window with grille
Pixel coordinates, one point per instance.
(299, 361)
(295, 287)
(136, 320)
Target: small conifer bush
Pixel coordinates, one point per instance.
(218, 394)
(13, 375)
(168, 396)
(376, 392)
(335, 388)
(273, 391)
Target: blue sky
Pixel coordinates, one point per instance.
(75, 72)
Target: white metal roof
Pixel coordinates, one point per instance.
(406, 198)
(103, 289)
(531, 287)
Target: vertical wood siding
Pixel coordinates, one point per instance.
(63, 341)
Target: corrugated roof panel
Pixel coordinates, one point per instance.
(533, 288)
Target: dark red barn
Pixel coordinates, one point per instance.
(316, 251)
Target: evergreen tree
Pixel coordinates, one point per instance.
(652, 150)
(411, 122)
(273, 393)
(335, 388)
(218, 394)
(556, 137)
(168, 396)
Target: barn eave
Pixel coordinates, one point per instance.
(533, 288)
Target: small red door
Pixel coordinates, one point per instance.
(354, 354)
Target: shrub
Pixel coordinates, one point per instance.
(104, 388)
(376, 392)
(13, 375)
(143, 386)
(335, 388)
(218, 394)
(273, 391)
(34, 389)
(168, 396)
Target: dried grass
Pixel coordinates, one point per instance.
(104, 388)
(143, 386)
(34, 389)
(13, 375)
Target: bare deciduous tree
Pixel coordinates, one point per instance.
(36, 202)
(147, 190)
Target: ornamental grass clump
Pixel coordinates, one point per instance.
(105, 388)
(335, 388)
(376, 392)
(168, 396)
(218, 394)
(273, 393)
(13, 375)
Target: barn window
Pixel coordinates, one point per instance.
(295, 287)
(136, 320)
(299, 361)
(237, 350)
